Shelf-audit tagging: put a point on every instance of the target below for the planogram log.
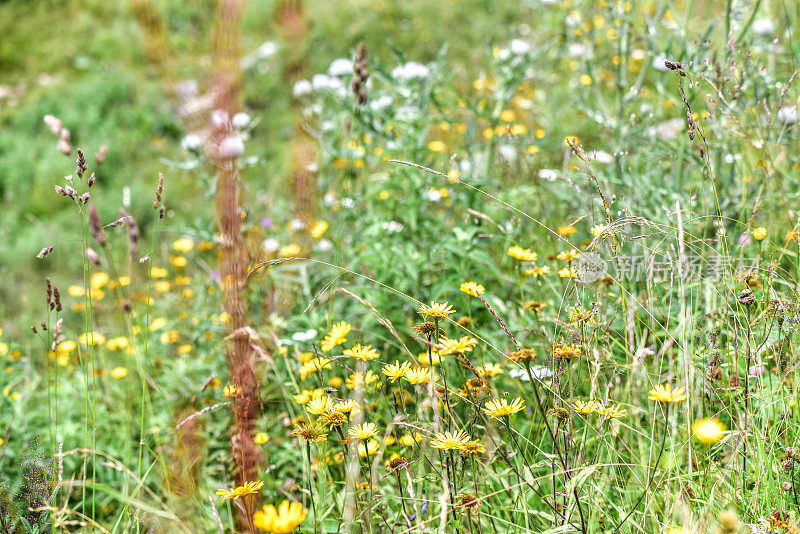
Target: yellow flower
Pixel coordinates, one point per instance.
(418, 375)
(281, 521)
(489, 370)
(613, 412)
(260, 438)
(76, 291)
(117, 343)
(407, 440)
(317, 364)
(247, 489)
(365, 431)
(568, 272)
(472, 289)
(536, 271)
(91, 338)
(472, 447)
(309, 433)
(357, 380)
(158, 272)
(501, 407)
(336, 336)
(319, 406)
(566, 352)
(184, 349)
(508, 115)
(345, 406)
(99, 280)
(456, 346)
(362, 352)
(708, 430)
(319, 229)
(429, 359)
(436, 310)
(665, 393)
(119, 372)
(231, 391)
(170, 336)
(566, 231)
(522, 254)
(158, 324)
(395, 370)
(183, 245)
(289, 251)
(449, 440)
(586, 408)
(372, 447)
(179, 262)
(66, 346)
(759, 233)
(567, 255)
(437, 146)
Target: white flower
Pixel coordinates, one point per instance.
(308, 335)
(410, 71)
(503, 54)
(219, 119)
(601, 156)
(763, 27)
(348, 202)
(231, 147)
(788, 114)
(507, 153)
(660, 63)
(577, 50)
(324, 245)
(393, 227)
(302, 88)
(520, 47)
(538, 373)
(267, 49)
(191, 142)
(187, 89)
(381, 103)
(329, 199)
(341, 67)
(548, 2)
(296, 225)
(270, 245)
(433, 195)
(548, 174)
(241, 120)
(323, 82)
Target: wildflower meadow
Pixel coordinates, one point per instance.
(431, 266)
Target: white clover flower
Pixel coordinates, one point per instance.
(381, 103)
(267, 49)
(323, 82)
(348, 203)
(519, 47)
(301, 88)
(763, 27)
(660, 63)
(241, 120)
(577, 50)
(601, 156)
(324, 245)
(341, 67)
(191, 142)
(788, 114)
(270, 245)
(410, 71)
(433, 195)
(393, 227)
(548, 174)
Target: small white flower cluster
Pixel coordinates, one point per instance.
(393, 227)
(410, 71)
